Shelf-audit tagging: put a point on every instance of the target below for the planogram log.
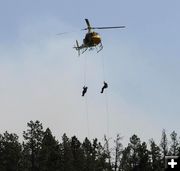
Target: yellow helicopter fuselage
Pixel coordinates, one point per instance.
(92, 39)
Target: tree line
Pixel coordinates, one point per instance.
(40, 151)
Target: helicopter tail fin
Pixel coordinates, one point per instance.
(77, 47)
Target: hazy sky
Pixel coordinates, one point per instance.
(42, 77)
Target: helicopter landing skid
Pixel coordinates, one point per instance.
(99, 48)
(84, 50)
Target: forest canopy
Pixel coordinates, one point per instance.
(41, 151)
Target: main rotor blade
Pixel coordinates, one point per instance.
(62, 33)
(68, 32)
(87, 22)
(108, 27)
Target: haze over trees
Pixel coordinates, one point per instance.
(41, 151)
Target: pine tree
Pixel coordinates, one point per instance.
(88, 149)
(10, 152)
(164, 146)
(118, 152)
(155, 154)
(174, 144)
(33, 139)
(125, 164)
(108, 153)
(134, 147)
(67, 156)
(49, 155)
(78, 155)
(130, 155)
(144, 158)
(94, 154)
(102, 158)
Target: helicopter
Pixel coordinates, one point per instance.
(92, 39)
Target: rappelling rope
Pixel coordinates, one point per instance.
(106, 97)
(87, 115)
(107, 112)
(85, 68)
(103, 68)
(86, 100)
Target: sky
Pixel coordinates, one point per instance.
(42, 76)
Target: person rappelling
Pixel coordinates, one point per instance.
(84, 90)
(105, 86)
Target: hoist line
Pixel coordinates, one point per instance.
(85, 70)
(86, 100)
(87, 116)
(103, 68)
(106, 97)
(107, 112)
